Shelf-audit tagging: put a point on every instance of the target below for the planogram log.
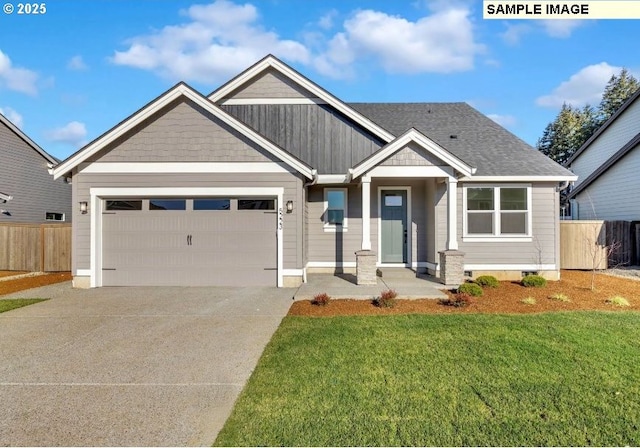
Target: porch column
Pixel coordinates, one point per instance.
(366, 213)
(452, 213)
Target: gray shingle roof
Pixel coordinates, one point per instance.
(480, 142)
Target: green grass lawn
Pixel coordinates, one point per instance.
(446, 380)
(12, 304)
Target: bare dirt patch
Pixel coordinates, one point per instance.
(20, 284)
(506, 299)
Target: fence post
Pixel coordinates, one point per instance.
(41, 247)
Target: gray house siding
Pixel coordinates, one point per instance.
(25, 176)
(292, 222)
(316, 134)
(413, 156)
(183, 133)
(271, 84)
(605, 198)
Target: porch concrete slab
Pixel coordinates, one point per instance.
(343, 286)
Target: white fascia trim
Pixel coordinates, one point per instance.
(510, 267)
(271, 62)
(423, 141)
(177, 92)
(250, 101)
(411, 171)
(293, 272)
(497, 239)
(97, 194)
(184, 167)
(518, 178)
(331, 264)
(83, 272)
(332, 179)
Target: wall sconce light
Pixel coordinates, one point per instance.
(289, 206)
(83, 207)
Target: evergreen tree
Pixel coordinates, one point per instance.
(618, 90)
(564, 135)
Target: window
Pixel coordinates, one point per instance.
(335, 201)
(211, 204)
(256, 204)
(123, 205)
(498, 211)
(54, 216)
(167, 204)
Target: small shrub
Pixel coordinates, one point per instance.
(534, 280)
(487, 281)
(387, 299)
(470, 289)
(618, 301)
(559, 297)
(459, 300)
(529, 301)
(321, 299)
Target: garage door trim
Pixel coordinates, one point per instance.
(97, 195)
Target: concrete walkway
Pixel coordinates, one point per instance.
(343, 286)
(130, 366)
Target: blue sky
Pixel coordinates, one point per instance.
(70, 74)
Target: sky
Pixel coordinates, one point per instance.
(78, 68)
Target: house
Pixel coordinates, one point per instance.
(28, 193)
(607, 166)
(271, 178)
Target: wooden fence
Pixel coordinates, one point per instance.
(599, 244)
(35, 247)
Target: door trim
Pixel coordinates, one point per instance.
(97, 195)
(409, 226)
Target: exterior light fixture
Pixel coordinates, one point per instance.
(83, 207)
(289, 206)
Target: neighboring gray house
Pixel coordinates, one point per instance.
(608, 169)
(271, 177)
(28, 193)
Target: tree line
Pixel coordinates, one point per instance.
(573, 126)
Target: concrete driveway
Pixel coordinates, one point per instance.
(130, 366)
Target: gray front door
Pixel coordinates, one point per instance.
(393, 230)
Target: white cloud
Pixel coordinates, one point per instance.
(442, 42)
(560, 28)
(326, 21)
(503, 120)
(219, 40)
(73, 133)
(12, 115)
(514, 33)
(77, 63)
(17, 78)
(584, 87)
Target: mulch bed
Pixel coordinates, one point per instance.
(20, 284)
(11, 273)
(506, 299)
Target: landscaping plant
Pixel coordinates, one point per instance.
(487, 281)
(321, 299)
(618, 301)
(459, 300)
(470, 289)
(528, 301)
(533, 280)
(560, 297)
(387, 299)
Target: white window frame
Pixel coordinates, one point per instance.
(328, 227)
(55, 220)
(496, 236)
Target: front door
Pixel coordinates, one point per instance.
(393, 232)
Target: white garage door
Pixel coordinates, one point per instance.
(189, 242)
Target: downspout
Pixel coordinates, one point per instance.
(314, 180)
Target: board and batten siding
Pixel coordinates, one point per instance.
(183, 132)
(621, 131)
(270, 84)
(292, 184)
(25, 176)
(614, 195)
(545, 233)
(315, 133)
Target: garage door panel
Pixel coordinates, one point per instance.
(231, 247)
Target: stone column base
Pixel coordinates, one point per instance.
(451, 267)
(366, 267)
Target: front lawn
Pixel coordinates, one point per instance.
(12, 304)
(447, 380)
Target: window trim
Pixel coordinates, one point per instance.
(328, 227)
(496, 236)
(55, 220)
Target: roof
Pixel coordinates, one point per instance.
(27, 140)
(469, 135)
(632, 99)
